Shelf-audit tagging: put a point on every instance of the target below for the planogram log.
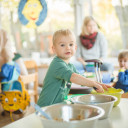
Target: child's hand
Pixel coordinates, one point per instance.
(105, 86)
(100, 87)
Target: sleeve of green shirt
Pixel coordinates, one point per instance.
(75, 70)
(63, 72)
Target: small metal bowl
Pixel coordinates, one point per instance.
(106, 102)
(71, 116)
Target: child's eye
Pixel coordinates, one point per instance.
(125, 60)
(71, 44)
(62, 45)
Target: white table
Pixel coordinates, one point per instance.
(117, 119)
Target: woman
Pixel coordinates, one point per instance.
(92, 44)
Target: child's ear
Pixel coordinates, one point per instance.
(76, 47)
(53, 48)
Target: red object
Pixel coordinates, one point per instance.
(88, 41)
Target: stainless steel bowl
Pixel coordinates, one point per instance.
(106, 102)
(71, 116)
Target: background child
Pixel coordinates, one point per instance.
(122, 82)
(61, 73)
(9, 70)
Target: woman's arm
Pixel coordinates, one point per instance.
(80, 80)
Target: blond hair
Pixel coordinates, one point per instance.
(5, 47)
(123, 54)
(62, 32)
(87, 19)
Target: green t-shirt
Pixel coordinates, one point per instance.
(56, 83)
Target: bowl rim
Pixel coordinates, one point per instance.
(79, 102)
(102, 112)
(107, 93)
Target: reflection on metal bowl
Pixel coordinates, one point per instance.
(106, 102)
(71, 116)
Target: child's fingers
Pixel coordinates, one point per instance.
(105, 86)
(99, 91)
(99, 88)
(108, 86)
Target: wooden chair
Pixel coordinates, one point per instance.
(30, 65)
(31, 78)
(0, 88)
(124, 95)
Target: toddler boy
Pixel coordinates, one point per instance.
(61, 73)
(122, 82)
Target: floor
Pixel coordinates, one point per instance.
(6, 119)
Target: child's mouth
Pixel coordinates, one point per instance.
(67, 53)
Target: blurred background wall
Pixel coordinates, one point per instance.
(110, 14)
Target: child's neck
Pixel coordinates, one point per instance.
(65, 60)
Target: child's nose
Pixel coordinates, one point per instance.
(123, 63)
(68, 47)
